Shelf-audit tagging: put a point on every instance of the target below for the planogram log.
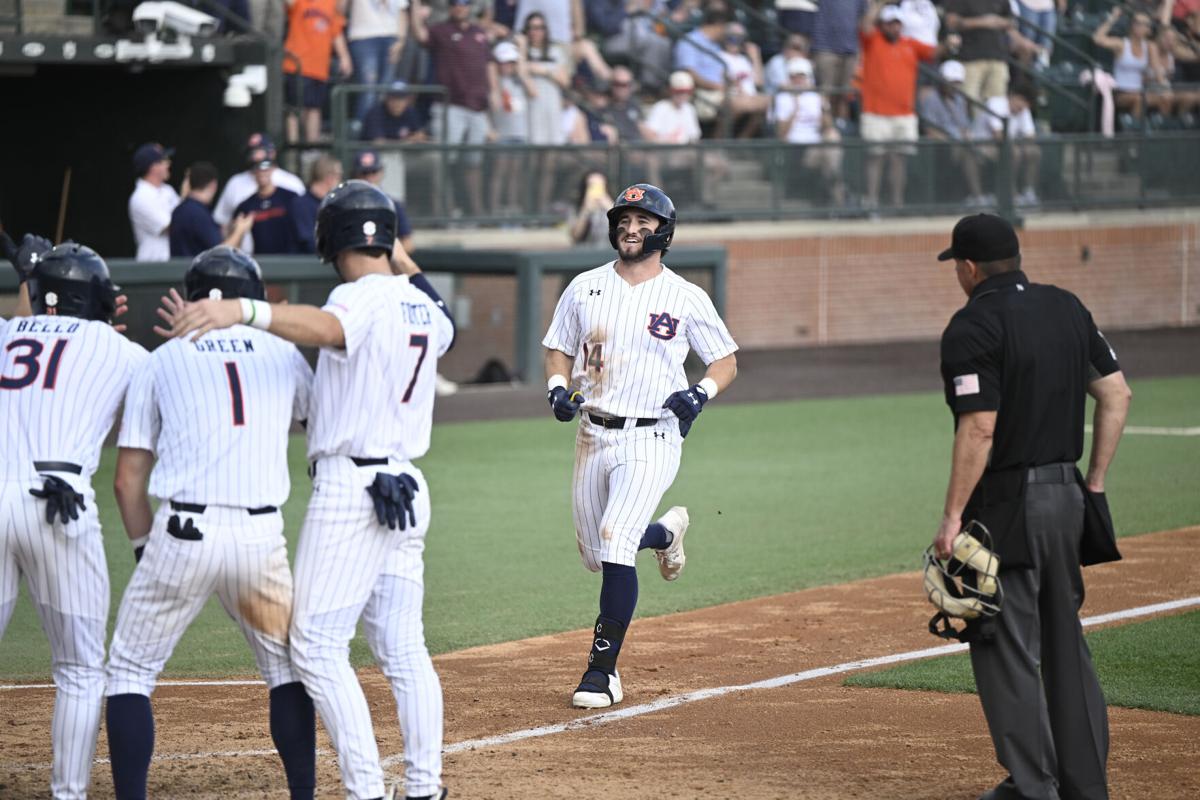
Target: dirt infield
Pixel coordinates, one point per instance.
(814, 738)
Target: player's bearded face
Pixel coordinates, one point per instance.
(632, 230)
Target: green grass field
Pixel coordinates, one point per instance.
(782, 496)
(1153, 665)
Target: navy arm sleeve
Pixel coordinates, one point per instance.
(421, 282)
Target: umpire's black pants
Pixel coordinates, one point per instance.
(1050, 730)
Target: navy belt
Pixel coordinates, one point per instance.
(1052, 473)
(198, 508)
(358, 462)
(57, 466)
(619, 422)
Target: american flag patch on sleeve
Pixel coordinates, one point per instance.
(966, 384)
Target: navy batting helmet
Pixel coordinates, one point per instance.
(227, 272)
(355, 215)
(72, 280)
(648, 198)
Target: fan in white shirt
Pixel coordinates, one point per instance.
(152, 202)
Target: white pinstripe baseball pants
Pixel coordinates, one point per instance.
(619, 480)
(349, 566)
(242, 558)
(67, 577)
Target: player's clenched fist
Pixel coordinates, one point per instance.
(565, 405)
(687, 405)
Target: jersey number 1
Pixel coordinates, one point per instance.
(29, 362)
(235, 393)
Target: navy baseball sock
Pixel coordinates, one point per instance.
(130, 724)
(294, 731)
(618, 593)
(656, 537)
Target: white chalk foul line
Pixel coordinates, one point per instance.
(14, 686)
(769, 683)
(648, 708)
(1152, 430)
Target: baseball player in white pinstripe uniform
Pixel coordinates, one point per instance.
(215, 413)
(63, 373)
(615, 352)
(361, 548)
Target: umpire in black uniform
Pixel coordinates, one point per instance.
(1017, 362)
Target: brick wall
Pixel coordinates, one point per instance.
(802, 284)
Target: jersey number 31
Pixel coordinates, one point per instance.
(29, 361)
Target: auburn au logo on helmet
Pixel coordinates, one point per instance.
(633, 194)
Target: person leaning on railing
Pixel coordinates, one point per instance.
(802, 117)
(1013, 113)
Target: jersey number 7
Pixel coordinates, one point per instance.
(32, 366)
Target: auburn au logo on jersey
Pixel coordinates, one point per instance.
(633, 194)
(663, 326)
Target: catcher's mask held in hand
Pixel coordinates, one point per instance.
(967, 585)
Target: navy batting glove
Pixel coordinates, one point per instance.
(393, 499)
(565, 405)
(29, 253)
(687, 405)
(60, 499)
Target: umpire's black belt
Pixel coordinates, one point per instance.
(198, 508)
(1052, 473)
(57, 466)
(358, 462)
(619, 422)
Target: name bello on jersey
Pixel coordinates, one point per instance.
(28, 325)
(213, 345)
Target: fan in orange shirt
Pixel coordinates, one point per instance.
(315, 32)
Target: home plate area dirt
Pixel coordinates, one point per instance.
(810, 739)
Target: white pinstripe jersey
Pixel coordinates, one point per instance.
(629, 342)
(374, 399)
(216, 412)
(61, 381)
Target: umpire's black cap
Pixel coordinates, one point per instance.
(982, 238)
(224, 272)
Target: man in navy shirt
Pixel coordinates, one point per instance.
(326, 174)
(274, 230)
(396, 118)
(368, 167)
(193, 229)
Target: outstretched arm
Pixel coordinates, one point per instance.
(300, 324)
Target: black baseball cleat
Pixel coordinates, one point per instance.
(598, 690)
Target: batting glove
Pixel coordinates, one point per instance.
(565, 406)
(26, 257)
(687, 405)
(60, 499)
(393, 498)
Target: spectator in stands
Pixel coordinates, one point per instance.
(588, 223)
(624, 111)
(744, 73)
(984, 26)
(889, 86)
(564, 18)
(152, 201)
(699, 54)
(274, 227)
(1181, 11)
(947, 117)
(1186, 47)
(775, 73)
(546, 65)
(674, 120)
(368, 167)
(325, 173)
(797, 16)
(193, 229)
(244, 184)
(1013, 113)
(835, 49)
(1135, 58)
(1044, 15)
(460, 53)
(395, 118)
(239, 8)
(631, 33)
(802, 117)
(921, 21)
(315, 33)
(376, 34)
(435, 12)
(511, 123)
